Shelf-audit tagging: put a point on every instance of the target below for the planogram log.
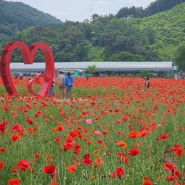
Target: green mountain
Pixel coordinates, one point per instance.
(154, 8)
(110, 38)
(16, 16)
(165, 30)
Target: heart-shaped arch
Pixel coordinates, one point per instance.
(28, 55)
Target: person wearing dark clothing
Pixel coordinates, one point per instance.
(147, 82)
(51, 89)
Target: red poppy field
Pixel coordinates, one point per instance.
(113, 131)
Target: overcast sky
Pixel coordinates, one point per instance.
(79, 10)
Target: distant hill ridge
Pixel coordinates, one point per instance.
(16, 16)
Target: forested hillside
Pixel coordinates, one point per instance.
(109, 38)
(16, 16)
(154, 8)
(164, 31)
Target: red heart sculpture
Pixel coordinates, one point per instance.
(28, 54)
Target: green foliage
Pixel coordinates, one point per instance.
(16, 16)
(145, 73)
(96, 54)
(179, 57)
(154, 8)
(105, 38)
(168, 31)
(91, 69)
(125, 56)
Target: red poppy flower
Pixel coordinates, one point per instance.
(87, 161)
(122, 144)
(147, 181)
(98, 161)
(23, 165)
(15, 137)
(36, 155)
(124, 159)
(28, 120)
(38, 113)
(169, 166)
(120, 172)
(67, 146)
(178, 150)
(120, 154)
(57, 139)
(76, 149)
(143, 133)
(50, 170)
(170, 178)
(71, 168)
(75, 134)
(53, 183)
(16, 127)
(162, 137)
(14, 181)
(133, 152)
(1, 165)
(69, 139)
(132, 135)
(176, 174)
(2, 126)
(125, 118)
(2, 149)
(15, 171)
(58, 128)
(86, 156)
(99, 141)
(5, 108)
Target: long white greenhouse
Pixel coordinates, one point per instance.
(164, 68)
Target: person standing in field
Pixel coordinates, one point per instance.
(147, 82)
(61, 85)
(69, 85)
(51, 89)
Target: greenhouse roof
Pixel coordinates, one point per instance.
(100, 66)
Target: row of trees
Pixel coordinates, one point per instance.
(106, 39)
(179, 57)
(154, 8)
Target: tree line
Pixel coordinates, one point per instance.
(154, 8)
